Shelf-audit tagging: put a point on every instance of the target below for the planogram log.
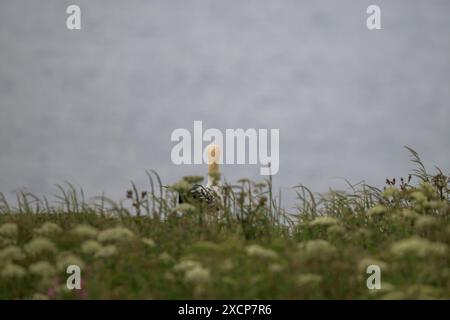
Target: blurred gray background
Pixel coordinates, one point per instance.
(97, 106)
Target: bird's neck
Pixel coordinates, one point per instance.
(213, 174)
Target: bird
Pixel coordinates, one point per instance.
(211, 194)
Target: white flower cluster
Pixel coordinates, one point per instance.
(9, 230)
(48, 229)
(85, 231)
(255, 250)
(418, 247)
(115, 234)
(193, 271)
(318, 249)
(39, 246)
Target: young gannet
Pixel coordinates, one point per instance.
(211, 193)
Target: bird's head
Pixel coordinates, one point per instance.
(213, 151)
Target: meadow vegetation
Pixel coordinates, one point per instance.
(147, 246)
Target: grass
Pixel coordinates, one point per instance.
(250, 248)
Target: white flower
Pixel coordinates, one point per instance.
(106, 251)
(324, 221)
(48, 229)
(39, 245)
(11, 253)
(9, 230)
(42, 268)
(185, 265)
(197, 275)
(149, 242)
(67, 259)
(12, 270)
(418, 247)
(308, 279)
(85, 231)
(7, 242)
(390, 192)
(115, 234)
(336, 230)
(365, 262)
(181, 186)
(377, 210)
(90, 247)
(419, 197)
(255, 250)
(318, 248)
(425, 223)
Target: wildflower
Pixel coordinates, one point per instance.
(193, 179)
(48, 229)
(425, 223)
(9, 230)
(39, 245)
(85, 231)
(67, 259)
(42, 268)
(186, 265)
(418, 247)
(377, 210)
(390, 192)
(115, 234)
(181, 186)
(12, 270)
(255, 250)
(336, 230)
(149, 242)
(90, 247)
(365, 262)
(185, 208)
(11, 253)
(197, 275)
(308, 279)
(318, 248)
(435, 204)
(106, 251)
(419, 197)
(324, 221)
(7, 242)
(408, 214)
(429, 190)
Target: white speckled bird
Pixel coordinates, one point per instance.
(211, 193)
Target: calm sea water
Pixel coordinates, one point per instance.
(97, 106)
